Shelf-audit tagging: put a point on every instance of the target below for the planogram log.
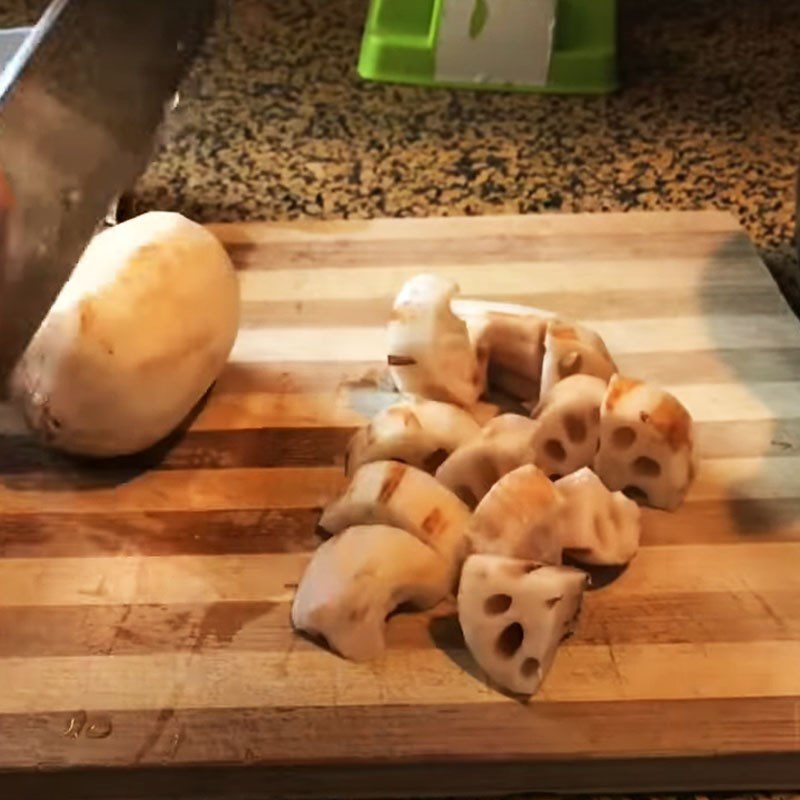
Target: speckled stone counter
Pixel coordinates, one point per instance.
(276, 124)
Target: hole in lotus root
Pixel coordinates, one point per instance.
(434, 460)
(530, 667)
(555, 477)
(647, 466)
(575, 427)
(570, 364)
(510, 640)
(518, 568)
(497, 604)
(466, 495)
(555, 450)
(636, 493)
(623, 437)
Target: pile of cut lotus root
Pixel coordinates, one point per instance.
(438, 503)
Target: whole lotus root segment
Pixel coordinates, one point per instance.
(513, 347)
(597, 526)
(417, 432)
(505, 443)
(514, 614)
(520, 516)
(571, 349)
(430, 352)
(356, 579)
(391, 493)
(646, 443)
(569, 425)
(138, 333)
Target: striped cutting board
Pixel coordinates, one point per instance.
(144, 605)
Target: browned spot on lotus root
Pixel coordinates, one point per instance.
(562, 331)
(466, 495)
(636, 493)
(692, 470)
(405, 415)
(673, 422)
(347, 461)
(595, 415)
(400, 361)
(568, 634)
(510, 640)
(358, 613)
(644, 465)
(569, 364)
(434, 460)
(618, 388)
(623, 437)
(497, 604)
(552, 602)
(390, 483)
(530, 667)
(434, 523)
(555, 450)
(575, 427)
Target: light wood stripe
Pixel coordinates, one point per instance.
(338, 282)
(178, 490)
(314, 677)
(269, 578)
(678, 334)
(302, 231)
(447, 748)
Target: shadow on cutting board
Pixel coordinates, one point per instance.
(756, 342)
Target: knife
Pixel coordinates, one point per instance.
(80, 106)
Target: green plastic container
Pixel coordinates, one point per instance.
(400, 42)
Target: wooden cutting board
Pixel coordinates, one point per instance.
(144, 606)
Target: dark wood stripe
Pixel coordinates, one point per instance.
(712, 617)
(275, 530)
(731, 257)
(158, 533)
(24, 463)
(619, 304)
(399, 777)
(482, 732)
(204, 449)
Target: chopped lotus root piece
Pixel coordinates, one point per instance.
(514, 614)
(505, 443)
(356, 579)
(430, 352)
(569, 425)
(645, 443)
(571, 349)
(513, 346)
(520, 516)
(391, 493)
(417, 432)
(597, 526)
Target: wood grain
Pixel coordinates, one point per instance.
(144, 602)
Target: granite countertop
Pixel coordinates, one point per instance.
(275, 124)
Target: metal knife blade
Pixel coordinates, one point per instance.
(80, 105)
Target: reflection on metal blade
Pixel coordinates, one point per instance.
(80, 105)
